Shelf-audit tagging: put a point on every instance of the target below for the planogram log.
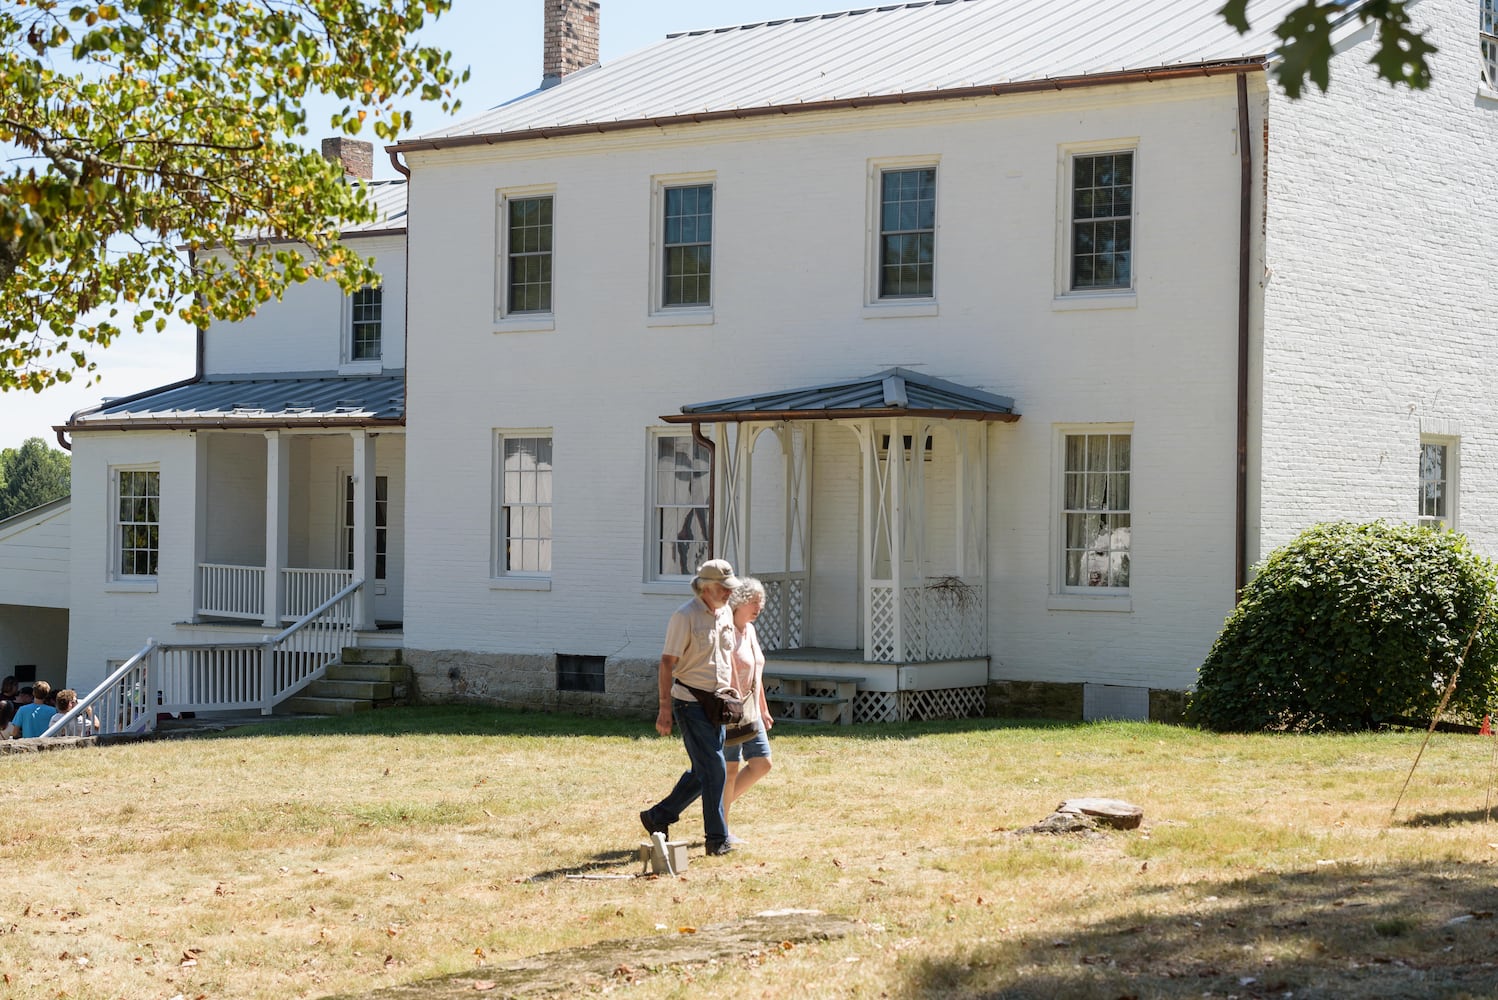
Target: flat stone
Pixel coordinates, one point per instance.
(1110, 812)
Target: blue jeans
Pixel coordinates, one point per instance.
(704, 742)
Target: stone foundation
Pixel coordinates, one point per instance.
(529, 681)
(1063, 702)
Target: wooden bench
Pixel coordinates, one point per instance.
(803, 707)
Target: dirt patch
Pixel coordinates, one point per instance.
(631, 958)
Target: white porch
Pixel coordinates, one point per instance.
(288, 518)
(862, 506)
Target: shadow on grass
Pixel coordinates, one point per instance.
(476, 720)
(1395, 931)
(604, 862)
(1450, 818)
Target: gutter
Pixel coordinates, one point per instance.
(1195, 70)
(1245, 260)
(227, 423)
(746, 416)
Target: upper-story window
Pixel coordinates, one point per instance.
(687, 239)
(365, 314)
(1437, 501)
(1488, 27)
(907, 233)
(1100, 250)
(137, 523)
(528, 249)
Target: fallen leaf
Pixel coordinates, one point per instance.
(318, 871)
(389, 961)
(837, 863)
(480, 953)
(484, 984)
(877, 881)
(396, 878)
(686, 930)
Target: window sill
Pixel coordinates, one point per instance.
(681, 317)
(897, 309)
(1087, 602)
(668, 587)
(520, 583)
(526, 323)
(131, 586)
(372, 366)
(1076, 301)
(1487, 95)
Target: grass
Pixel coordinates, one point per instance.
(306, 859)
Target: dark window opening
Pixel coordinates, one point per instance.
(579, 672)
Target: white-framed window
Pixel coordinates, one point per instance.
(381, 525)
(907, 233)
(1095, 514)
(527, 244)
(1488, 42)
(1098, 209)
(366, 320)
(137, 522)
(1438, 468)
(680, 471)
(522, 489)
(682, 230)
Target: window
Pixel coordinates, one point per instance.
(907, 233)
(687, 242)
(1101, 239)
(364, 329)
(1095, 518)
(523, 532)
(1437, 501)
(137, 521)
(528, 252)
(382, 521)
(1488, 15)
(680, 472)
(579, 673)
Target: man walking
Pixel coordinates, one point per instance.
(698, 654)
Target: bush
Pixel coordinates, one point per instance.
(1350, 625)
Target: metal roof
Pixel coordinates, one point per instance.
(914, 48)
(314, 398)
(389, 200)
(893, 392)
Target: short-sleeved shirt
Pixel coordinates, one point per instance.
(702, 641)
(33, 719)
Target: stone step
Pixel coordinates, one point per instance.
(361, 654)
(388, 673)
(358, 690)
(309, 705)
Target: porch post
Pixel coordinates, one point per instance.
(364, 527)
(200, 519)
(895, 470)
(277, 504)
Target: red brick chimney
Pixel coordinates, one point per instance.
(571, 39)
(356, 155)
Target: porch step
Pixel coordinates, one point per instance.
(312, 705)
(356, 690)
(378, 672)
(368, 655)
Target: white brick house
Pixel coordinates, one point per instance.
(1040, 329)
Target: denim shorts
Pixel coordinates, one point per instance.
(759, 746)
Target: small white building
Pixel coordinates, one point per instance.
(999, 338)
(34, 573)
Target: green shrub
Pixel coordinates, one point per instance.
(1350, 625)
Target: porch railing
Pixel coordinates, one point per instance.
(231, 591)
(781, 621)
(941, 618)
(215, 677)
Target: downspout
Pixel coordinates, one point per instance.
(712, 483)
(197, 376)
(1245, 259)
(405, 171)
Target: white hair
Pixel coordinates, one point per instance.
(748, 590)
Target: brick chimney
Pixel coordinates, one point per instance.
(356, 155)
(571, 39)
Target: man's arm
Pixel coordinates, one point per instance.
(663, 715)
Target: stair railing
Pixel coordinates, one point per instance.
(215, 677)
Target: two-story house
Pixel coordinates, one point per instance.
(1000, 338)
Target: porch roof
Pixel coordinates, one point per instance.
(317, 399)
(894, 392)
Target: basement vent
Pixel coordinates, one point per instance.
(579, 672)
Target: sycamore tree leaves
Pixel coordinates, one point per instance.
(1402, 55)
(141, 129)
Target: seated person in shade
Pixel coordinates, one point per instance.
(33, 719)
(8, 692)
(84, 725)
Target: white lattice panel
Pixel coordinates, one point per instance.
(770, 616)
(943, 703)
(876, 706)
(795, 613)
(882, 623)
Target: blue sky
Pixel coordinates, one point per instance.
(500, 42)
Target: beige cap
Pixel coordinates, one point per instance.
(718, 571)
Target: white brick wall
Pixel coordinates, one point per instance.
(1379, 298)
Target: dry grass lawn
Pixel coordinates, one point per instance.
(317, 858)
